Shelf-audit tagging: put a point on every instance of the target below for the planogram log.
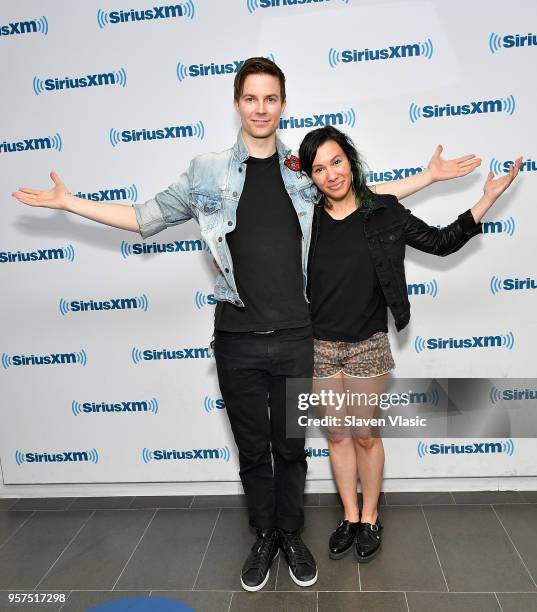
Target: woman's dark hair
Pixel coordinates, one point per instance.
(314, 139)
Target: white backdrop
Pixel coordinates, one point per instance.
(79, 75)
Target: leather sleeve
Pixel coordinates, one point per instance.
(440, 241)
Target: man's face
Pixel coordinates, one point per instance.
(260, 105)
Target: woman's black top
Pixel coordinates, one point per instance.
(347, 302)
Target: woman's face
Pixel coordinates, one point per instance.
(331, 171)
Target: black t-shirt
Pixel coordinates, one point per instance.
(347, 302)
(266, 250)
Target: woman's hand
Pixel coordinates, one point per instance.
(438, 170)
(494, 188)
(443, 169)
(53, 198)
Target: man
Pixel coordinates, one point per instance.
(255, 210)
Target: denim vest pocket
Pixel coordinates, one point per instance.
(208, 205)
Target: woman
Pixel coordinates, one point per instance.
(356, 272)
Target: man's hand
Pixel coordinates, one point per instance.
(53, 198)
(443, 169)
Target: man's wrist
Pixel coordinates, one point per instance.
(69, 202)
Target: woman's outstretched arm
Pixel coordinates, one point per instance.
(438, 169)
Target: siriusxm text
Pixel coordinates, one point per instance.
(186, 353)
(104, 407)
(369, 55)
(38, 255)
(464, 449)
(68, 456)
(157, 12)
(28, 144)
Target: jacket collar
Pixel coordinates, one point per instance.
(372, 206)
(241, 152)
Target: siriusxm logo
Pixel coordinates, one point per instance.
(168, 11)
(111, 195)
(202, 352)
(146, 406)
(502, 226)
(511, 284)
(476, 448)
(177, 246)
(198, 453)
(479, 107)
(511, 395)
(33, 144)
(61, 253)
(191, 130)
(213, 69)
(9, 361)
(33, 26)
(133, 303)
(511, 41)
(425, 288)
(404, 51)
(392, 175)
(341, 118)
(204, 299)
(497, 167)
(89, 456)
(210, 404)
(500, 341)
(90, 80)
(317, 452)
(253, 5)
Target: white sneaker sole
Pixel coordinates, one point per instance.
(303, 583)
(251, 589)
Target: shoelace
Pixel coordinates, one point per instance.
(261, 552)
(298, 548)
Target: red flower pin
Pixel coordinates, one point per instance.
(293, 163)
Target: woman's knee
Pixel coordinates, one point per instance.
(367, 443)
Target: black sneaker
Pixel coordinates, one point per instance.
(368, 541)
(302, 566)
(342, 539)
(256, 570)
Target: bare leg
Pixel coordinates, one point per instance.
(343, 458)
(343, 461)
(369, 450)
(370, 461)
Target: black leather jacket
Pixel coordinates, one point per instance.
(388, 227)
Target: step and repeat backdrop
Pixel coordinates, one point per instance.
(106, 369)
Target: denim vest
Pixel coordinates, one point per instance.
(209, 192)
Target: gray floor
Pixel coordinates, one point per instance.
(460, 551)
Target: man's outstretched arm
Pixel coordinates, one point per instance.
(438, 169)
(60, 198)
(167, 208)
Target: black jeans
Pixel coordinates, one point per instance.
(252, 372)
